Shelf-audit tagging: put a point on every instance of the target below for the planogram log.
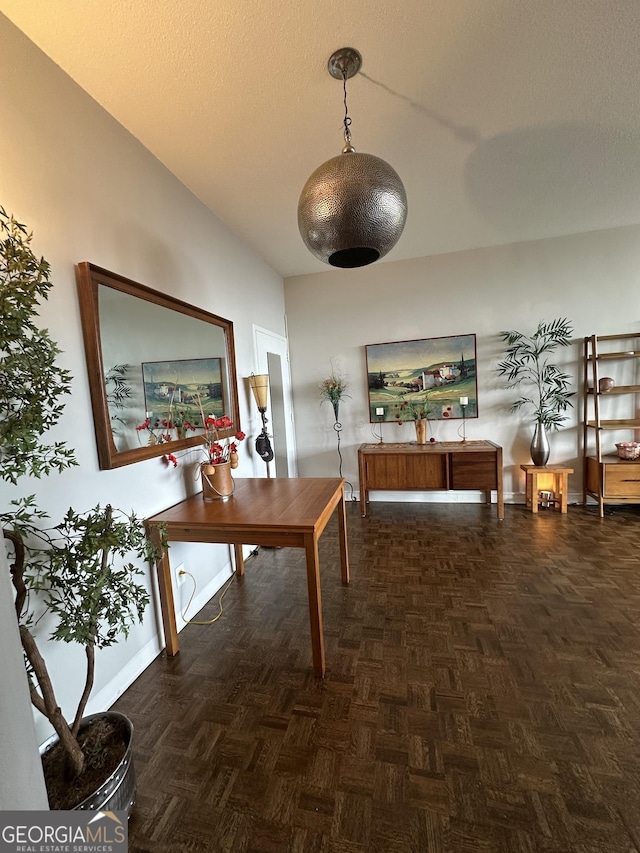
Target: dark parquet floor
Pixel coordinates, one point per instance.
(482, 694)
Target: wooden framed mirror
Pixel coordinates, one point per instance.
(153, 361)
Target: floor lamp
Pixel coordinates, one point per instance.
(260, 388)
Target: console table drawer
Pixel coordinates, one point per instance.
(404, 471)
(622, 480)
(477, 471)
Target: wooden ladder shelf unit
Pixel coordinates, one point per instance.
(607, 478)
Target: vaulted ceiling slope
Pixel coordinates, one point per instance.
(507, 120)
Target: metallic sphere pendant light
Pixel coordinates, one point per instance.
(353, 208)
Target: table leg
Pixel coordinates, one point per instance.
(499, 485)
(315, 605)
(564, 480)
(165, 589)
(342, 534)
(532, 477)
(362, 475)
(239, 560)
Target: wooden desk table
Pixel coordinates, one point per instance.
(289, 513)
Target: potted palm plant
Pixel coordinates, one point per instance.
(548, 387)
(74, 570)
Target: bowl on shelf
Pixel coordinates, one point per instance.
(628, 449)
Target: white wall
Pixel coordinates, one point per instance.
(593, 279)
(91, 192)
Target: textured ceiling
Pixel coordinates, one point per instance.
(507, 120)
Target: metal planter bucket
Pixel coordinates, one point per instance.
(217, 482)
(118, 791)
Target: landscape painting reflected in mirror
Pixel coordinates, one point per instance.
(404, 373)
(183, 390)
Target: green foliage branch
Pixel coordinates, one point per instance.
(527, 362)
(31, 383)
(415, 408)
(119, 392)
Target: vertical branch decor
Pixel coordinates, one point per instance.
(334, 389)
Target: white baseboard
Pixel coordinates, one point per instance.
(452, 497)
(105, 697)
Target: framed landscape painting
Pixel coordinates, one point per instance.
(188, 385)
(403, 374)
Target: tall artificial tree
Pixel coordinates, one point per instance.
(31, 383)
(76, 568)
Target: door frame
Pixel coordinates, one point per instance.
(266, 341)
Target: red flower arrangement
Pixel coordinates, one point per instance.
(178, 420)
(157, 430)
(414, 409)
(218, 449)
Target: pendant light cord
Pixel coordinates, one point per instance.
(347, 117)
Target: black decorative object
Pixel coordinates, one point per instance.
(260, 388)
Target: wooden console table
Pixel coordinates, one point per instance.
(471, 465)
(288, 513)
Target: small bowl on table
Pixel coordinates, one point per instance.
(628, 449)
